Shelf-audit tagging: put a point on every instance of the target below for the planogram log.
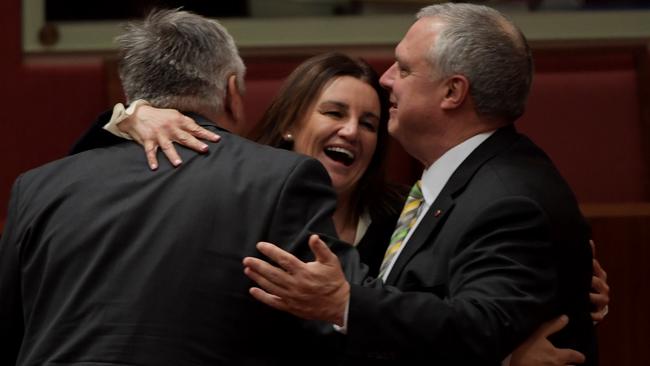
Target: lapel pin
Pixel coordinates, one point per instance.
(437, 213)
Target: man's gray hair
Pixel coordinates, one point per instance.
(177, 59)
(489, 50)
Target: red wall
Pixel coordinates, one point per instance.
(584, 111)
(39, 99)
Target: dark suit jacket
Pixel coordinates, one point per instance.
(374, 242)
(106, 262)
(503, 248)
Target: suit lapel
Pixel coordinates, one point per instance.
(444, 203)
(435, 215)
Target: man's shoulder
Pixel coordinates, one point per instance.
(243, 154)
(522, 169)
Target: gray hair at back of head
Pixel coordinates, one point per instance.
(487, 48)
(177, 59)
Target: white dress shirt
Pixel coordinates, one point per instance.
(434, 179)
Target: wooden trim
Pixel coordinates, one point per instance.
(630, 209)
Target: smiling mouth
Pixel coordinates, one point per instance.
(341, 155)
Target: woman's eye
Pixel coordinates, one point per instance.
(370, 126)
(335, 114)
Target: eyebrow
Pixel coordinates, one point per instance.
(336, 103)
(346, 107)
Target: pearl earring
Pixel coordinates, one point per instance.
(288, 137)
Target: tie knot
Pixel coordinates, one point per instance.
(416, 192)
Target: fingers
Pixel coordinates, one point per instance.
(199, 132)
(593, 248)
(321, 251)
(599, 315)
(150, 150)
(191, 142)
(598, 270)
(155, 128)
(170, 152)
(268, 299)
(599, 286)
(271, 279)
(570, 357)
(601, 302)
(283, 258)
(553, 326)
(599, 297)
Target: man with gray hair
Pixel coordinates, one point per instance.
(490, 243)
(104, 262)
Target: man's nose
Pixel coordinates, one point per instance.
(388, 77)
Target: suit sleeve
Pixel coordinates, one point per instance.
(501, 283)
(11, 315)
(95, 136)
(305, 207)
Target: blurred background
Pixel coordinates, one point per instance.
(589, 106)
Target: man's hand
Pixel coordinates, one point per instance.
(538, 351)
(314, 290)
(153, 128)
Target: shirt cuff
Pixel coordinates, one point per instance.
(120, 114)
(344, 328)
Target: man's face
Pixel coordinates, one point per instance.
(415, 91)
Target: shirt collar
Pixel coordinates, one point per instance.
(437, 174)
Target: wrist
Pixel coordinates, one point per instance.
(121, 114)
(341, 315)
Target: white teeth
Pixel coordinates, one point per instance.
(341, 150)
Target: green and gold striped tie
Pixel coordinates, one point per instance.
(407, 219)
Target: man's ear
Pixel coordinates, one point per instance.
(234, 102)
(456, 92)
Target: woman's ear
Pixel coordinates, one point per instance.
(457, 91)
(234, 102)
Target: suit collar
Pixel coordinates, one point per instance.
(499, 141)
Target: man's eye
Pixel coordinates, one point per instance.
(403, 72)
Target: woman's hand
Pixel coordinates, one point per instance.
(537, 350)
(599, 295)
(152, 128)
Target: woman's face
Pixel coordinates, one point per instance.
(340, 130)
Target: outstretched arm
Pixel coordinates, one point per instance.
(312, 290)
(150, 127)
(96, 136)
(155, 128)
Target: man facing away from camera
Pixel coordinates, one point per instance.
(105, 262)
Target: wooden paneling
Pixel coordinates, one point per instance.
(622, 235)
